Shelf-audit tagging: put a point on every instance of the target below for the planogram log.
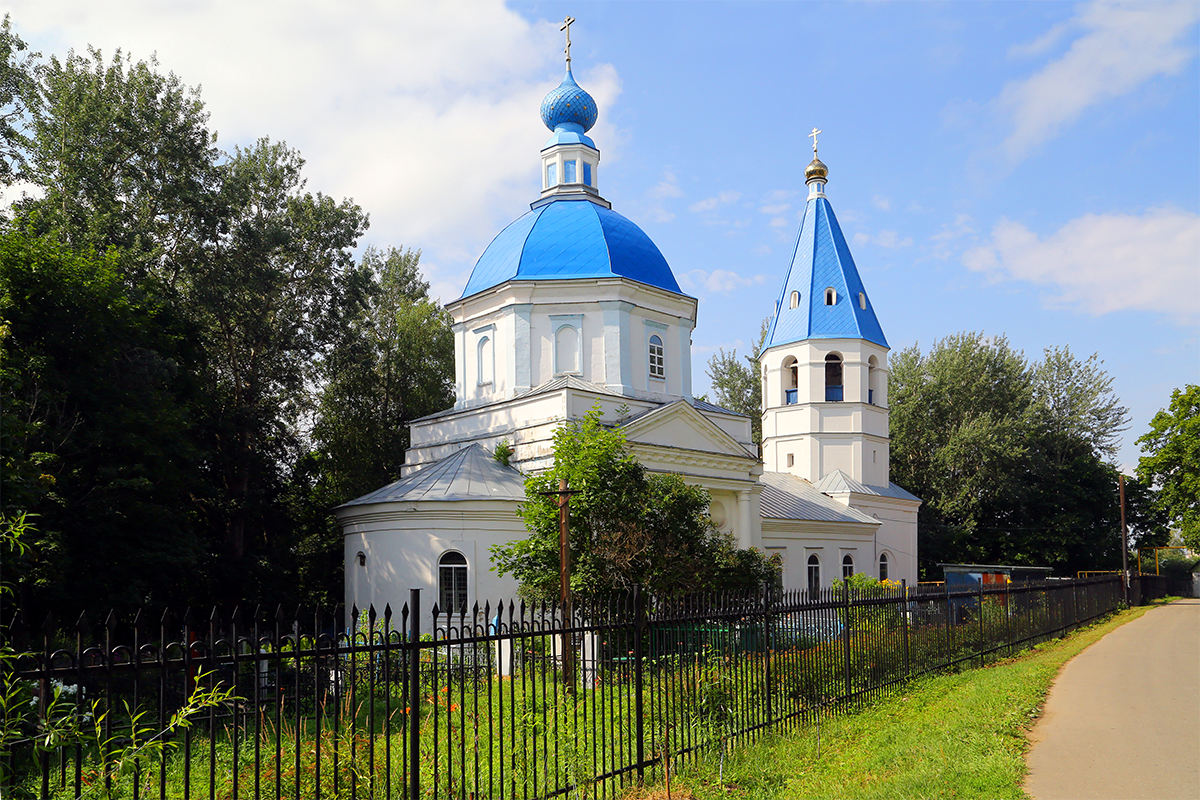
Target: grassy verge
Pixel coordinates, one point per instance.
(956, 735)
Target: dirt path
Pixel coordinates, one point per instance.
(1122, 720)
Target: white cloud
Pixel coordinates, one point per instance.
(780, 208)
(881, 202)
(889, 239)
(1102, 263)
(1124, 45)
(779, 222)
(710, 203)
(942, 248)
(424, 113)
(719, 281)
(667, 187)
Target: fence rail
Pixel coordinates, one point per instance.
(482, 703)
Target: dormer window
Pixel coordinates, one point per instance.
(831, 296)
(795, 301)
(569, 171)
(658, 363)
(862, 300)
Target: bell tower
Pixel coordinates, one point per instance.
(824, 364)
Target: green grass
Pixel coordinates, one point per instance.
(955, 735)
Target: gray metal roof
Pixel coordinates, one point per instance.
(470, 474)
(785, 496)
(838, 481)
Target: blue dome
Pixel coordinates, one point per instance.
(571, 238)
(567, 104)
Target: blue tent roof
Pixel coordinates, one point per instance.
(822, 261)
(571, 237)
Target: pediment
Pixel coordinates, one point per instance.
(679, 425)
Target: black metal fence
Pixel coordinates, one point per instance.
(494, 702)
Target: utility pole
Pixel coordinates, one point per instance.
(1124, 541)
(564, 582)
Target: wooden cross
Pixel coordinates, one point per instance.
(812, 135)
(566, 26)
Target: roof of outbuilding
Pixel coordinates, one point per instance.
(838, 482)
(571, 237)
(821, 260)
(787, 497)
(470, 474)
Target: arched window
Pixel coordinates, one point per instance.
(452, 583)
(814, 574)
(830, 296)
(833, 377)
(883, 566)
(484, 351)
(847, 566)
(791, 380)
(862, 300)
(658, 363)
(566, 349)
(872, 379)
(795, 301)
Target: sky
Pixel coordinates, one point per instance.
(1025, 169)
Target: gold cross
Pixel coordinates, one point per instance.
(566, 26)
(812, 136)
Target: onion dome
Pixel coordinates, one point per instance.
(816, 169)
(571, 238)
(568, 106)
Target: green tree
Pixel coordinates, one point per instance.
(1172, 462)
(125, 159)
(628, 526)
(393, 363)
(16, 86)
(737, 386)
(96, 432)
(1008, 456)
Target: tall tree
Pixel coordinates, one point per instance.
(628, 526)
(16, 87)
(272, 299)
(1172, 462)
(1007, 456)
(394, 363)
(736, 385)
(96, 432)
(124, 158)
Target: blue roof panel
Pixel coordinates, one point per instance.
(571, 237)
(821, 261)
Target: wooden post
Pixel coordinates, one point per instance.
(564, 579)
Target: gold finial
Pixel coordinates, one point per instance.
(566, 26)
(812, 136)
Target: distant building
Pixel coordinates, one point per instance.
(573, 305)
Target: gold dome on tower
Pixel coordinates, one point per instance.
(816, 169)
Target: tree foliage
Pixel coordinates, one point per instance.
(196, 367)
(736, 385)
(1008, 456)
(628, 526)
(1172, 462)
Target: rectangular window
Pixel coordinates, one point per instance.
(551, 175)
(791, 459)
(587, 173)
(658, 363)
(569, 171)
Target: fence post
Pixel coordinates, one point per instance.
(414, 691)
(981, 621)
(949, 624)
(639, 628)
(846, 633)
(904, 625)
(768, 646)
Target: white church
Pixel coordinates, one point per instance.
(572, 305)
